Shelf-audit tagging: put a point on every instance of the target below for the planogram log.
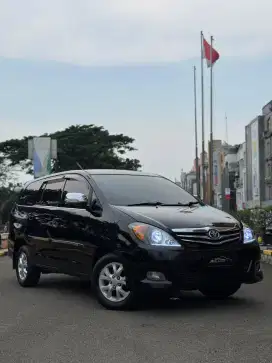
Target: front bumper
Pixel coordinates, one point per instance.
(191, 269)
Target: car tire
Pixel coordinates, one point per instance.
(27, 274)
(220, 292)
(114, 290)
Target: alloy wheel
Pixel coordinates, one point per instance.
(113, 282)
(22, 266)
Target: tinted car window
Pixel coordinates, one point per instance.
(31, 194)
(52, 193)
(76, 186)
(135, 189)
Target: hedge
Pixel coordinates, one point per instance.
(258, 219)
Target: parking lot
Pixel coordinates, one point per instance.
(60, 321)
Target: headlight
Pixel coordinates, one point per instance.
(153, 236)
(248, 235)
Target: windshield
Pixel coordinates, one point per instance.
(140, 189)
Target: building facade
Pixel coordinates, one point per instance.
(229, 174)
(188, 181)
(244, 170)
(205, 166)
(217, 172)
(240, 177)
(267, 140)
(255, 194)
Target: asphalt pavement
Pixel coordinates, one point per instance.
(60, 321)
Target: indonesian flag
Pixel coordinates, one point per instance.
(210, 54)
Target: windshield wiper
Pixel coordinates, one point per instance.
(155, 204)
(188, 204)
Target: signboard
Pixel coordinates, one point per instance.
(40, 151)
(227, 193)
(41, 156)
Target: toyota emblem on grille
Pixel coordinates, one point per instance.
(214, 234)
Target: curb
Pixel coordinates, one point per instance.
(267, 256)
(3, 252)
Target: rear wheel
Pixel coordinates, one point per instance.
(27, 274)
(110, 281)
(220, 292)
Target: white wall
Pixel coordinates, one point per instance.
(241, 189)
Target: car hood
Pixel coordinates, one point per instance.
(179, 217)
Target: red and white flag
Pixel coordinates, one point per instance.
(209, 53)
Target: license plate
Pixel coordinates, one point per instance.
(221, 261)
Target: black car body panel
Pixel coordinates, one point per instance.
(72, 239)
(172, 217)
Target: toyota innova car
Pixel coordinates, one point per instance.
(130, 233)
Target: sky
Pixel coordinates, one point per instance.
(128, 65)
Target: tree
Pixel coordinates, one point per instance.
(91, 146)
(6, 207)
(7, 198)
(259, 219)
(5, 172)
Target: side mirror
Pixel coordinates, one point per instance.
(75, 200)
(96, 208)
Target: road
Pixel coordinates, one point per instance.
(60, 321)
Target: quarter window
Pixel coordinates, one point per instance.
(31, 194)
(76, 186)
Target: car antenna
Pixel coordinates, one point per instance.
(80, 167)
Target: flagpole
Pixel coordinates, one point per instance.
(196, 139)
(211, 124)
(202, 121)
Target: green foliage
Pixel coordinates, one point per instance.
(5, 171)
(91, 146)
(7, 198)
(259, 219)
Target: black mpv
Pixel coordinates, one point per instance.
(129, 232)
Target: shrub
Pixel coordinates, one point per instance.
(258, 219)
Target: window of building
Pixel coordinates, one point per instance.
(31, 194)
(52, 192)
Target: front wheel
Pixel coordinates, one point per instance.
(110, 281)
(220, 292)
(27, 274)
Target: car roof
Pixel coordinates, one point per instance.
(91, 172)
(117, 172)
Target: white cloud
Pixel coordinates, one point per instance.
(101, 32)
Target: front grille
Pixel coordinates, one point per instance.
(209, 235)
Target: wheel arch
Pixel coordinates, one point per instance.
(101, 252)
